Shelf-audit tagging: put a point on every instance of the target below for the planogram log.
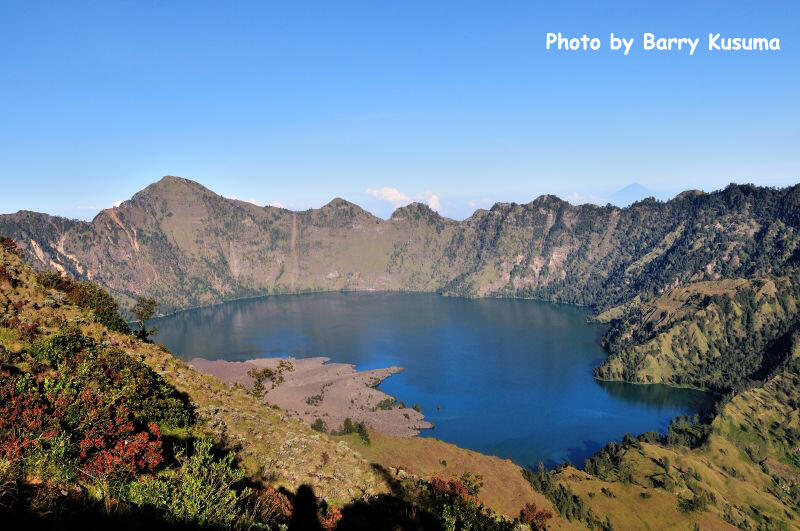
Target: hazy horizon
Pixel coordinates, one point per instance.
(620, 198)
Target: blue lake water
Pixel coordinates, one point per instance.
(511, 378)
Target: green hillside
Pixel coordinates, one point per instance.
(714, 335)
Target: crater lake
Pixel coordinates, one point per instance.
(505, 377)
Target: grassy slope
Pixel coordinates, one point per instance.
(710, 335)
(266, 438)
(272, 447)
(505, 490)
(733, 335)
(745, 464)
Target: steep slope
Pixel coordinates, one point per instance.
(99, 428)
(186, 246)
(743, 467)
(270, 443)
(713, 335)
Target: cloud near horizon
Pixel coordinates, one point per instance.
(391, 195)
(432, 200)
(251, 201)
(398, 198)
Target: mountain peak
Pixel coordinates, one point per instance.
(547, 199)
(414, 210)
(171, 184)
(338, 202)
(630, 194)
(340, 213)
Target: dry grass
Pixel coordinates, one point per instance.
(505, 489)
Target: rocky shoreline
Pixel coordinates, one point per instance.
(315, 389)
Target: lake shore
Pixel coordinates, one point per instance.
(315, 389)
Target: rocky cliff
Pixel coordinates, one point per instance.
(187, 246)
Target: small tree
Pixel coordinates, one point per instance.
(275, 376)
(143, 310)
(319, 425)
(363, 434)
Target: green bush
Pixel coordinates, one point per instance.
(348, 426)
(88, 296)
(698, 502)
(82, 364)
(57, 348)
(454, 505)
(201, 492)
(320, 426)
(363, 434)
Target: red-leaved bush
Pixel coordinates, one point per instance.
(111, 444)
(448, 489)
(22, 420)
(8, 245)
(100, 433)
(330, 518)
(271, 506)
(533, 516)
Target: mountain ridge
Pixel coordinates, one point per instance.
(187, 246)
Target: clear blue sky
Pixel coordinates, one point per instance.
(298, 102)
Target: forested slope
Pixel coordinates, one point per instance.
(714, 335)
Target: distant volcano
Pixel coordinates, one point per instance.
(630, 194)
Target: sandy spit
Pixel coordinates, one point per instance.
(316, 389)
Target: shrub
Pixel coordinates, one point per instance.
(329, 517)
(201, 492)
(5, 276)
(698, 502)
(85, 434)
(57, 348)
(363, 434)
(269, 507)
(112, 446)
(385, 404)
(9, 245)
(82, 363)
(77, 410)
(315, 400)
(320, 426)
(88, 296)
(454, 504)
(534, 517)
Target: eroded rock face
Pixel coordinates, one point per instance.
(332, 392)
(187, 246)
